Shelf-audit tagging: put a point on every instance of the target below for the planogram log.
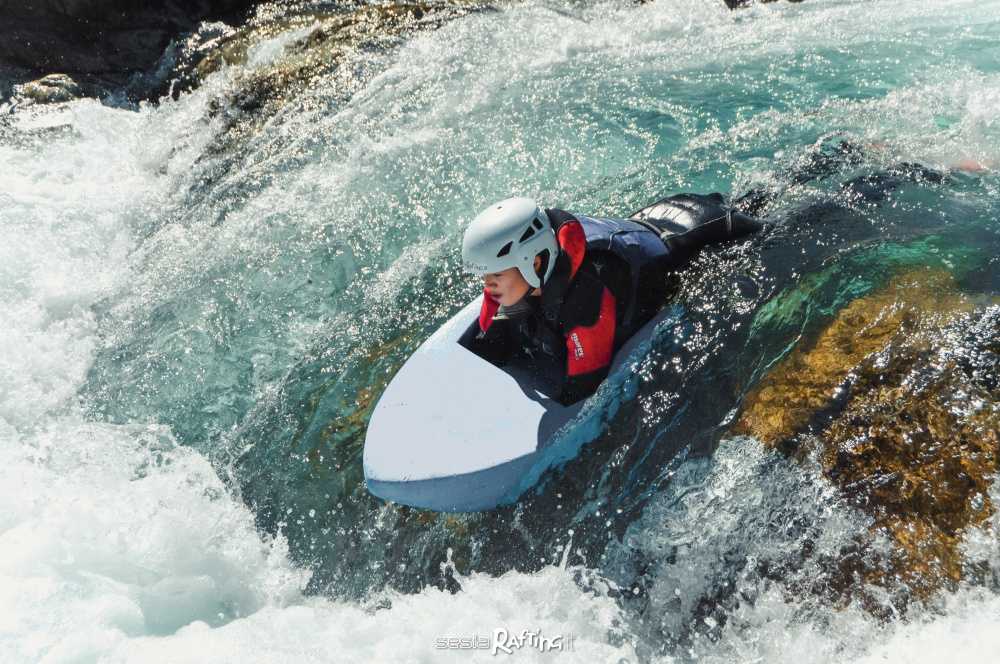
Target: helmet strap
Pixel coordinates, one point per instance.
(544, 267)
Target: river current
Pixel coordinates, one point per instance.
(197, 314)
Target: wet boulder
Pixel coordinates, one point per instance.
(899, 400)
(313, 48)
(50, 89)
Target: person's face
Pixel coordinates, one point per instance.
(508, 287)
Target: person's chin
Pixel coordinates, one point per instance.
(511, 301)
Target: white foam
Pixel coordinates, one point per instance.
(965, 633)
(118, 545)
(717, 523)
(64, 210)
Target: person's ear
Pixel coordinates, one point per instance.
(538, 263)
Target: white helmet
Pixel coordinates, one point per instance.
(510, 234)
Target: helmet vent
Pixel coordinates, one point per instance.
(526, 234)
(537, 224)
(504, 250)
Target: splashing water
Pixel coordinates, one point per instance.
(201, 305)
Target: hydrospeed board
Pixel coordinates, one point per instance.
(455, 433)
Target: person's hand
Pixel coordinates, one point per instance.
(973, 166)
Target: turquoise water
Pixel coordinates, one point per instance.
(196, 324)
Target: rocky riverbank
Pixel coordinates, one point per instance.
(102, 45)
(897, 397)
(132, 49)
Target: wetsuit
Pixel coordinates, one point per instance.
(600, 292)
(600, 300)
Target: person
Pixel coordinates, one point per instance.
(562, 292)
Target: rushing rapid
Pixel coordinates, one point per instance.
(201, 300)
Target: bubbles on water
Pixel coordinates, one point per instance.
(737, 558)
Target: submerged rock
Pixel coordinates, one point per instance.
(918, 445)
(899, 398)
(808, 379)
(292, 54)
(327, 39)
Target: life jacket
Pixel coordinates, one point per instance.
(634, 243)
(630, 241)
(662, 236)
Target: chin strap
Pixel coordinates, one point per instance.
(516, 310)
(545, 267)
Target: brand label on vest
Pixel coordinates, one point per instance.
(578, 347)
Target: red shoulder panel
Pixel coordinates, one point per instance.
(590, 348)
(573, 242)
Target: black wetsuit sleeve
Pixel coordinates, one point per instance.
(495, 345)
(576, 388)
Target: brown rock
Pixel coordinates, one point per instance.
(808, 378)
(913, 438)
(260, 93)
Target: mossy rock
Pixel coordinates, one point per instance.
(900, 402)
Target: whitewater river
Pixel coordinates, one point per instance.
(200, 302)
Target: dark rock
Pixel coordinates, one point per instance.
(102, 44)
